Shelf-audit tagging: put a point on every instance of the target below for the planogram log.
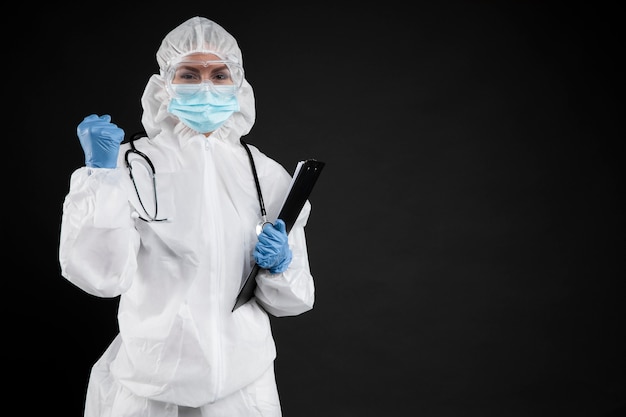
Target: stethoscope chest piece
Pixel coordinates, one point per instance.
(260, 226)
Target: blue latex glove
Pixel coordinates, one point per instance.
(100, 140)
(272, 250)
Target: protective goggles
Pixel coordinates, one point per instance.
(189, 77)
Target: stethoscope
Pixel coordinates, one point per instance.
(263, 222)
(148, 163)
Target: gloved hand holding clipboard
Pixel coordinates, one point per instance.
(304, 179)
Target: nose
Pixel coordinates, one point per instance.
(206, 85)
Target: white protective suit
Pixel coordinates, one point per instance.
(179, 342)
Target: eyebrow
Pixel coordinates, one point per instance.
(218, 66)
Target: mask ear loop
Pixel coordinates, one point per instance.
(263, 221)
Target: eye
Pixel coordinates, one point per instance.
(221, 76)
(187, 75)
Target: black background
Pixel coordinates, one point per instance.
(467, 232)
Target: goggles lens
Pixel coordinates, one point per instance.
(190, 77)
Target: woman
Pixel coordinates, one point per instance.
(175, 246)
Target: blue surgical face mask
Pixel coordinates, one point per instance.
(205, 110)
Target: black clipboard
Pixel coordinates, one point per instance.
(304, 179)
